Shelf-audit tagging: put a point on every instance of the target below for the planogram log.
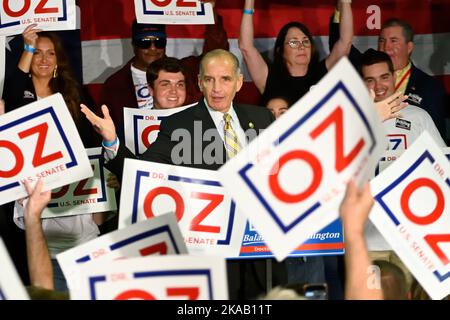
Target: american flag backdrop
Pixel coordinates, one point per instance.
(105, 32)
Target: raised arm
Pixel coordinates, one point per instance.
(354, 212)
(215, 34)
(343, 45)
(39, 263)
(256, 65)
(29, 39)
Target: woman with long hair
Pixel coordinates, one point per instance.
(43, 70)
(296, 66)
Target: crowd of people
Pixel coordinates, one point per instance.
(152, 80)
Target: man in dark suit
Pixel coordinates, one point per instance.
(196, 138)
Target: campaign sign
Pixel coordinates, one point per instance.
(387, 159)
(447, 152)
(15, 15)
(291, 179)
(11, 287)
(158, 236)
(173, 12)
(207, 216)
(179, 277)
(90, 195)
(40, 140)
(142, 126)
(412, 212)
(328, 241)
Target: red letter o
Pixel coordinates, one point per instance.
(148, 201)
(15, 14)
(146, 133)
(293, 155)
(19, 159)
(135, 294)
(413, 186)
(161, 3)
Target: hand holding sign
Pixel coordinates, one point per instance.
(37, 200)
(30, 35)
(103, 126)
(2, 107)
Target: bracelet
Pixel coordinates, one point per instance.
(29, 48)
(109, 144)
(248, 11)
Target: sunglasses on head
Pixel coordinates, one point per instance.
(145, 43)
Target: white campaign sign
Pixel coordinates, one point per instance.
(207, 216)
(11, 287)
(15, 15)
(173, 12)
(142, 126)
(292, 177)
(86, 196)
(412, 212)
(160, 235)
(154, 278)
(387, 159)
(40, 140)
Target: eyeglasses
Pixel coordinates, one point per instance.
(294, 44)
(145, 43)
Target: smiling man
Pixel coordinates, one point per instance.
(377, 71)
(167, 81)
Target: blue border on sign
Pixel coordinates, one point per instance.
(140, 174)
(135, 238)
(15, 23)
(73, 161)
(102, 182)
(243, 172)
(426, 155)
(136, 118)
(148, 274)
(158, 12)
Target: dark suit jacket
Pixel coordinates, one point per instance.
(246, 278)
(189, 126)
(424, 91)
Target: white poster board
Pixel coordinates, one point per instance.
(290, 180)
(154, 278)
(11, 287)
(40, 140)
(207, 216)
(90, 195)
(49, 15)
(173, 12)
(412, 212)
(142, 126)
(160, 235)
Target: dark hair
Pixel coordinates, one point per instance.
(393, 280)
(407, 30)
(64, 82)
(281, 97)
(278, 60)
(168, 64)
(372, 56)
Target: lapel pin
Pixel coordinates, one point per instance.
(251, 125)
